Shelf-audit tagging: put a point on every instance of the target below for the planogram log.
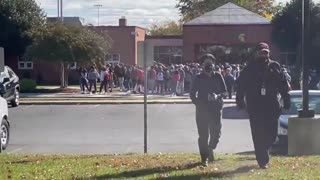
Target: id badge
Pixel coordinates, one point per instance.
(263, 91)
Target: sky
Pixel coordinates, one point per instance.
(141, 13)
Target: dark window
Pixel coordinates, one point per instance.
(168, 54)
(21, 65)
(29, 65)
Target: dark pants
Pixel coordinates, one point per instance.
(229, 89)
(209, 125)
(126, 83)
(83, 84)
(134, 83)
(94, 84)
(187, 86)
(103, 85)
(160, 86)
(264, 129)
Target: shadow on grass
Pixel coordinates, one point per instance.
(246, 153)
(142, 172)
(162, 173)
(275, 151)
(218, 175)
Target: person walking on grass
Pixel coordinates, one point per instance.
(206, 94)
(260, 84)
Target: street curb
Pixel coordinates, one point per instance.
(107, 103)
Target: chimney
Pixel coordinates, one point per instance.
(123, 21)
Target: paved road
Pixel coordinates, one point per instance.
(98, 129)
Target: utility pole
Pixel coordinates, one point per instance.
(145, 97)
(60, 10)
(305, 42)
(98, 6)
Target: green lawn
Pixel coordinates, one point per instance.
(156, 166)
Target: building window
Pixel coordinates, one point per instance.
(168, 54)
(231, 54)
(113, 58)
(25, 65)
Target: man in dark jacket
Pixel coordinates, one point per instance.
(206, 93)
(260, 83)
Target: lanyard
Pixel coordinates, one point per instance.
(265, 75)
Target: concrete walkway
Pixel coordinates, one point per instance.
(111, 98)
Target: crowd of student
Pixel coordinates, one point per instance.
(162, 79)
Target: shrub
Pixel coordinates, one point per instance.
(27, 85)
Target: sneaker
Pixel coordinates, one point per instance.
(264, 166)
(205, 163)
(211, 156)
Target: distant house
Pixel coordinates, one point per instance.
(124, 48)
(66, 20)
(229, 26)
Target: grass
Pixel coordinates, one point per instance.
(156, 166)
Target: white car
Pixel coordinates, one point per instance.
(296, 105)
(5, 125)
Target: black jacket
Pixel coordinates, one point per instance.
(203, 85)
(251, 81)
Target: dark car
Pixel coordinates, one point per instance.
(296, 105)
(9, 86)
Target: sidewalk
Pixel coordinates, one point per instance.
(111, 98)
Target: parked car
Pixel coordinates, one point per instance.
(9, 86)
(5, 124)
(296, 105)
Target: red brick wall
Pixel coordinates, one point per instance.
(224, 35)
(123, 42)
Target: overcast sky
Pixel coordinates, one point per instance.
(138, 12)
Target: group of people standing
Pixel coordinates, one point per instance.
(177, 79)
(127, 78)
(162, 79)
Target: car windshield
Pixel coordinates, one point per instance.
(296, 104)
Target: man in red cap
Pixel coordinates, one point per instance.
(260, 83)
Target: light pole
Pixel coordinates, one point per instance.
(60, 10)
(305, 44)
(98, 6)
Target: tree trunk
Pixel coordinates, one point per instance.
(62, 75)
(66, 75)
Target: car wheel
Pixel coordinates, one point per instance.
(4, 134)
(16, 101)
